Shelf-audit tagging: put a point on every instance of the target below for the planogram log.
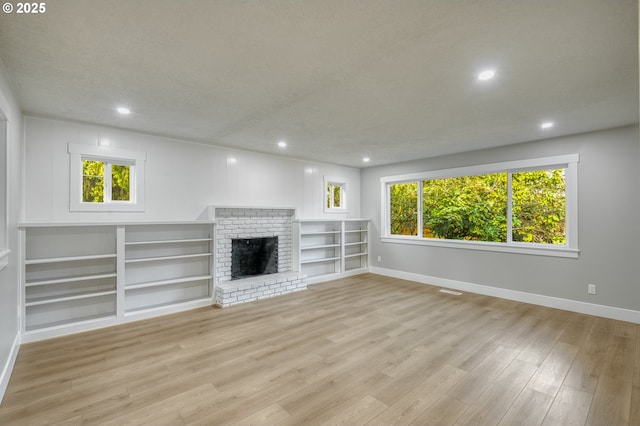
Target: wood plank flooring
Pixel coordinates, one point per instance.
(366, 350)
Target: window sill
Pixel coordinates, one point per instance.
(109, 207)
(537, 249)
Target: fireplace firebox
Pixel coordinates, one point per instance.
(253, 256)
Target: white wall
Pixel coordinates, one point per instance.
(182, 178)
(609, 229)
(9, 276)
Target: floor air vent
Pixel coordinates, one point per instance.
(455, 293)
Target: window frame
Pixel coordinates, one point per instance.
(110, 156)
(569, 162)
(4, 192)
(339, 182)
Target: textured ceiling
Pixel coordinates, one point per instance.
(337, 79)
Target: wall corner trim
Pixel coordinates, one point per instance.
(8, 366)
(611, 312)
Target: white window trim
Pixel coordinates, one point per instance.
(328, 180)
(119, 156)
(4, 193)
(569, 249)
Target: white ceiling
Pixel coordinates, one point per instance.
(337, 79)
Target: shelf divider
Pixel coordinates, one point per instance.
(159, 258)
(189, 240)
(167, 282)
(69, 279)
(78, 296)
(68, 259)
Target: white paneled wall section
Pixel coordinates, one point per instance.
(182, 178)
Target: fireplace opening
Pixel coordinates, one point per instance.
(253, 256)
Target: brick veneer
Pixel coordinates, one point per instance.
(260, 287)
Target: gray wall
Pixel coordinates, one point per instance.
(608, 234)
(9, 279)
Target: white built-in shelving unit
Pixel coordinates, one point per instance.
(69, 275)
(83, 276)
(329, 249)
(166, 265)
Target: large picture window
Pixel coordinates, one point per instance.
(524, 206)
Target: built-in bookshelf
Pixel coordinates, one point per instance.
(166, 265)
(356, 245)
(69, 275)
(328, 249)
(83, 276)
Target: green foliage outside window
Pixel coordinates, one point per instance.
(336, 196)
(466, 208)
(404, 208)
(333, 196)
(93, 182)
(539, 206)
(475, 207)
(120, 183)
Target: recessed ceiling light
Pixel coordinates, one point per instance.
(546, 125)
(366, 159)
(123, 110)
(486, 75)
(282, 144)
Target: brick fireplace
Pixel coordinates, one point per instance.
(246, 222)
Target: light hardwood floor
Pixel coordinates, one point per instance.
(362, 350)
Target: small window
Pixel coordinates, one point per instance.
(105, 179)
(105, 182)
(335, 195)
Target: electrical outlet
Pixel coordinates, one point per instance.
(379, 258)
(591, 288)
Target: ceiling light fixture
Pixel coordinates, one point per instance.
(282, 144)
(123, 110)
(366, 159)
(546, 125)
(486, 75)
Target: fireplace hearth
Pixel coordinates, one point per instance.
(253, 256)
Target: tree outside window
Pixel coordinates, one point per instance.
(403, 205)
(103, 182)
(335, 196)
(106, 179)
(475, 208)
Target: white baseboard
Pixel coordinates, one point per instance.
(94, 324)
(336, 276)
(8, 366)
(519, 296)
